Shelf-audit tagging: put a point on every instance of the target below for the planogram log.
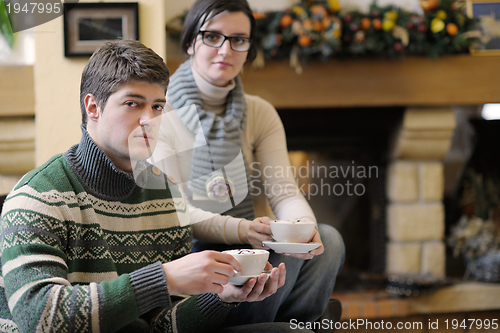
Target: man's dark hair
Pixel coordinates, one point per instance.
(116, 63)
(203, 10)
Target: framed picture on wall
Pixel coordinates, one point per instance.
(89, 25)
(488, 14)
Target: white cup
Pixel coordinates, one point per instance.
(252, 261)
(292, 231)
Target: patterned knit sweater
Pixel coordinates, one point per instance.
(82, 246)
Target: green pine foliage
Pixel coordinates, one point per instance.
(321, 29)
(315, 30)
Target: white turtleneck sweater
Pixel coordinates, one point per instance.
(274, 193)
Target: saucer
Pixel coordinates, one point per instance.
(291, 247)
(241, 280)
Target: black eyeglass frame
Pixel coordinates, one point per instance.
(230, 38)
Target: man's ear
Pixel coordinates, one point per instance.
(91, 107)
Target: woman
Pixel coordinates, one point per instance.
(219, 142)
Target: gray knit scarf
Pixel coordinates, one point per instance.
(218, 152)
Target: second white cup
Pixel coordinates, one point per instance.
(295, 231)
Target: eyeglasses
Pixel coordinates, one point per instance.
(215, 39)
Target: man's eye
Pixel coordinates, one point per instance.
(131, 104)
(158, 107)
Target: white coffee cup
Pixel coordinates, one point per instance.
(292, 231)
(252, 261)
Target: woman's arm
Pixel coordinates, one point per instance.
(268, 140)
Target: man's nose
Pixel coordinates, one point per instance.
(147, 117)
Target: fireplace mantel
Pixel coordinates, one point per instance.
(413, 81)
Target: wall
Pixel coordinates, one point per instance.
(23, 52)
(57, 79)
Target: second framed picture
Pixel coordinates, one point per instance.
(89, 25)
(488, 14)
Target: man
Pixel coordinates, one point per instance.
(90, 242)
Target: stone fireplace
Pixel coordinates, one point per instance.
(394, 222)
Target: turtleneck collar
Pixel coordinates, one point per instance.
(213, 97)
(97, 173)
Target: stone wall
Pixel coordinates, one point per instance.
(415, 188)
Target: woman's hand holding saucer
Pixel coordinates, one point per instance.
(258, 231)
(316, 238)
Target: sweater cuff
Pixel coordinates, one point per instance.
(231, 230)
(150, 287)
(212, 307)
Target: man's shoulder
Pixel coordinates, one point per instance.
(54, 174)
(51, 184)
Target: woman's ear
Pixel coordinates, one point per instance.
(91, 107)
(190, 48)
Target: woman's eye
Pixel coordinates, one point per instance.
(239, 41)
(212, 37)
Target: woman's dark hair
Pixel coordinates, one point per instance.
(203, 10)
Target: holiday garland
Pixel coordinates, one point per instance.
(322, 29)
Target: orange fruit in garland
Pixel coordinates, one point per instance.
(377, 24)
(428, 5)
(286, 21)
(316, 25)
(451, 29)
(259, 15)
(365, 23)
(304, 40)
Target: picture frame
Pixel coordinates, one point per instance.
(87, 25)
(488, 14)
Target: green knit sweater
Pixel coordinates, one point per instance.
(82, 246)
